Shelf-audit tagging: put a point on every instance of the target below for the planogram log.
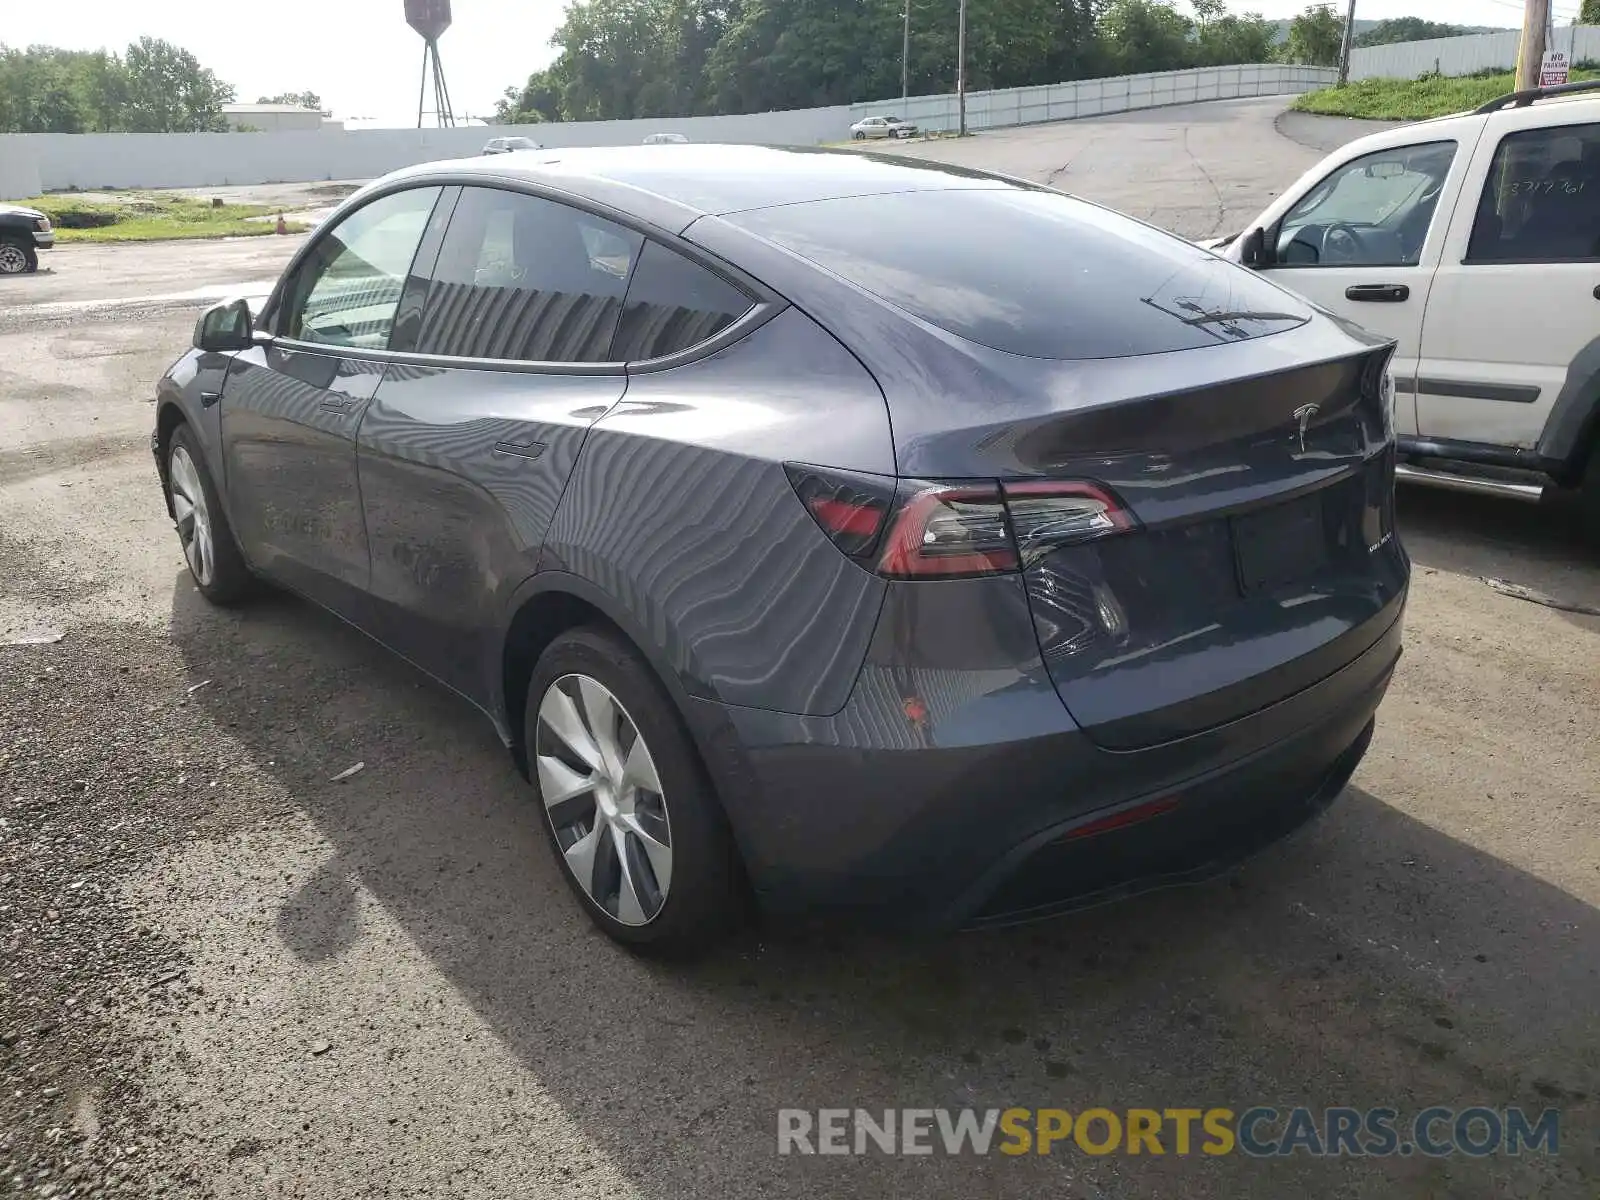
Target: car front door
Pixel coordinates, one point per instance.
(1364, 243)
(465, 450)
(1515, 307)
(292, 403)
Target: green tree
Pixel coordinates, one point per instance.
(1407, 29)
(800, 53)
(1589, 14)
(47, 90)
(1225, 38)
(40, 92)
(663, 58)
(1315, 37)
(1146, 35)
(170, 92)
(104, 81)
(303, 99)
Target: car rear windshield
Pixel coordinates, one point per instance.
(1032, 272)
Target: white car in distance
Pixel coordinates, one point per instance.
(882, 127)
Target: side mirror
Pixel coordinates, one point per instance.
(224, 327)
(1253, 248)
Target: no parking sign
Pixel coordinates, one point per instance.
(1553, 70)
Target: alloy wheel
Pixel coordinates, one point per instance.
(192, 516)
(603, 798)
(12, 260)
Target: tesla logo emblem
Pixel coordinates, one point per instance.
(1303, 414)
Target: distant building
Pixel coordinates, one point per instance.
(278, 118)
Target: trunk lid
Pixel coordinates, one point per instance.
(1248, 435)
(1264, 558)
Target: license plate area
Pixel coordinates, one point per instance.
(1282, 544)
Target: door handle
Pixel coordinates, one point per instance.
(336, 405)
(1597, 291)
(1382, 293)
(520, 449)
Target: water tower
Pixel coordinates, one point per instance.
(431, 18)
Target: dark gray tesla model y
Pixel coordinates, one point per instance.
(857, 533)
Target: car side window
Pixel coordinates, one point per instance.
(1541, 201)
(1374, 211)
(527, 279)
(673, 304)
(347, 290)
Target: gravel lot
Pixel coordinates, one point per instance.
(222, 974)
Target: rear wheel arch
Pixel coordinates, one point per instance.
(1585, 453)
(554, 602)
(1572, 428)
(544, 608)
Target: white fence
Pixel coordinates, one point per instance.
(58, 161)
(1464, 55)
(152, 160)
(1090, 97)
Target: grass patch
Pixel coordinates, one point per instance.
(1413, 99)
(151, 217)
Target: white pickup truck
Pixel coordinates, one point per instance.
(1474, 241)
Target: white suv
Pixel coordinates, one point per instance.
(1474, 241)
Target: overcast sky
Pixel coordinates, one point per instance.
(361, 58)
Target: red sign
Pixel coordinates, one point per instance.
(1553, 70)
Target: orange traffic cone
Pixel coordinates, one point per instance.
(283, 226)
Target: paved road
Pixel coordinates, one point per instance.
(1323, 134)
(1197, 170)
(221, 972)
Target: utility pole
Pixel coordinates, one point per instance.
(961, 67)
(1349, 38)
(1530, 56)
(905, 59)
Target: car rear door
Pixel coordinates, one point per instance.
(292, 404)
(1364, 242)
(1517, 296)
(466, 448)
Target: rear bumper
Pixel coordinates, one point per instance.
(972, 818)
(44, 241)
(1213, 824)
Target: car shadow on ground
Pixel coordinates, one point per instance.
(1370, 960)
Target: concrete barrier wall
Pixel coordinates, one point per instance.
(127, 160)
(154, 160)
(1091, 97)
(1464, 55)
(19, 170)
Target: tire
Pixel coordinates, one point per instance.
(215, 564)
(858, 137)
(654, 813)
(17, 257)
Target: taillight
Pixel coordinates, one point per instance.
(1045, 515)
(849, 508)
(43, 224)
(920, 529)
(944, 531)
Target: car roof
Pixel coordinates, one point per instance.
(703, 179)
